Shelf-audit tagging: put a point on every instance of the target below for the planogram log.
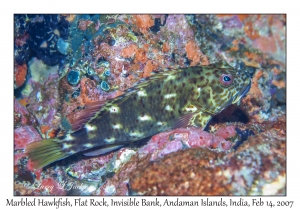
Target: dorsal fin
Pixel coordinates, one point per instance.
(221, 64)
(78, 119)
(156, 76)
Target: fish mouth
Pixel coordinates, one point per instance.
(243, 93)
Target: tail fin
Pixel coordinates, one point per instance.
(44, 152)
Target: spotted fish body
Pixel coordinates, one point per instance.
(176, 98)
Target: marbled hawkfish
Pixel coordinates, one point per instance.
(166, 100)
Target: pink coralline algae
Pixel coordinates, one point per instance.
(226, 132)
(159, 146)
(45, 101)
(21, 115)
(178, 24)
(126, 160)
(251, 170)
(25, 135)
(172, 141)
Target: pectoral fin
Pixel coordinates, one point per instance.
(184, 121)
(221, 64)
(193, 117)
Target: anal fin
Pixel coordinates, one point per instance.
(103, 150)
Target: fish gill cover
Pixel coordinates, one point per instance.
(106, 102)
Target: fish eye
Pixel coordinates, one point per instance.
(226, 79)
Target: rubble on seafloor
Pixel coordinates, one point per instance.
(257, 167)
(64, 62)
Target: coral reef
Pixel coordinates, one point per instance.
(20, 73)
(62, 63)
(256, 168)
(44, 102)
(178, 139)
(25, 135)
(21, 114)
(73, 77)
(143, 22)
(44, 36)
(41, 36)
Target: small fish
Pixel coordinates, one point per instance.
(24, 102)
(166, 100)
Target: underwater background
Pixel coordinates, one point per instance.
(64, 62)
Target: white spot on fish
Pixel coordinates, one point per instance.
(191, 108)
(144, 118)
(69, 137)
(110, 140)
(114, 109)
(197, 93)
(171, 95)
(168, 108)
(160, 123)
(66, 146)
(136, 134)
(117, 126)
(141, 93)
(71, 152)
(89, 127)
(171, 77)
(88, 145)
